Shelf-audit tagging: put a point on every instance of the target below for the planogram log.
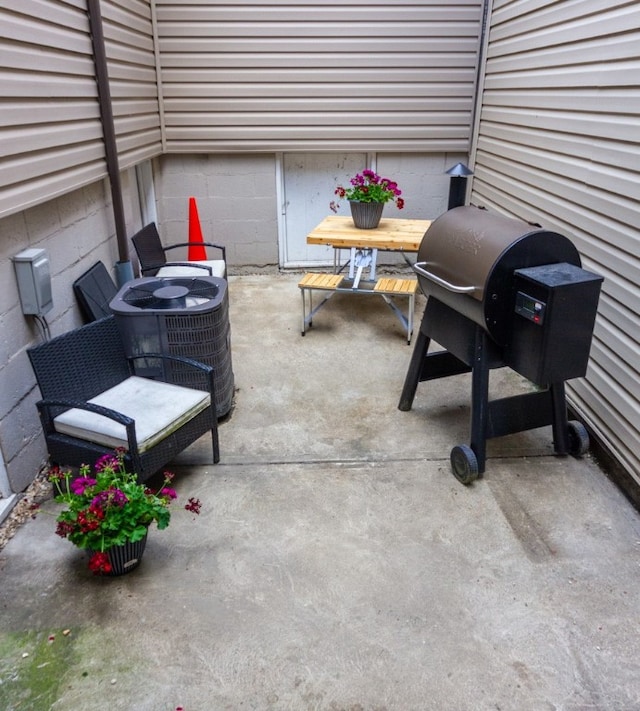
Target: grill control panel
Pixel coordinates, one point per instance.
(553, 319)
(530, 308)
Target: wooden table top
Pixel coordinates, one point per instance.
(391, 234)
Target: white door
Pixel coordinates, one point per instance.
(308, 184)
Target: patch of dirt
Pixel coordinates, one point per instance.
(37, 492)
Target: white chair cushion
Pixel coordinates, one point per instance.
(217, 269)
(158, 409)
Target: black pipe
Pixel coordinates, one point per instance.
(108, 127)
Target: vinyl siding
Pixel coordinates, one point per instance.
(50, 132)
(235, 77)
(128, 30)
(302, 76)
(51, 139)
(558, 143)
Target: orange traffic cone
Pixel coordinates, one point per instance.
(197, 252)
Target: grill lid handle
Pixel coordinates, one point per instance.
(419, 267)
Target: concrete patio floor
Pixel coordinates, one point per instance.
(337, 565)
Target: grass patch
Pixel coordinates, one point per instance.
(32, 668)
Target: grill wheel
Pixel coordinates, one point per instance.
(578, 438)
(464, 464)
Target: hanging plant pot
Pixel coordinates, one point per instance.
(366, 215)
(123, 559)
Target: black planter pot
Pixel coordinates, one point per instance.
(366, 215)
(125, 558)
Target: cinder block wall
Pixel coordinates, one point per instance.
(236, 198)
(423, 180)
(76, 230)
(238, 204)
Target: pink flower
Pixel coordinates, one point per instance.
(106, 461)
(81, 483)
(110, 497)
(368, 186)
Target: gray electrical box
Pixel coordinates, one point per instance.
(34, 281)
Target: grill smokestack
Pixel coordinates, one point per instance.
(458, 184)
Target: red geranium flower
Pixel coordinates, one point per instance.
(193, 505)
(99, 564)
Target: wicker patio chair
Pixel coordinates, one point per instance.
(92, 401)
(153, 258)
(94, 290)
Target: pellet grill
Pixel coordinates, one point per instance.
(502, 292)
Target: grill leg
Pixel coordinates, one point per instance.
(480, 399)
(560, 425)
(414, 372)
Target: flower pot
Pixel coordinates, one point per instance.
(124, 558)
(366, 215)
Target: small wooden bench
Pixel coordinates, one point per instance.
(386, 287)
(321, 282)
(400, 287)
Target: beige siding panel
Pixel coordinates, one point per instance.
(557, 143)
(531, 25)
(592, 149)
(442, 52)
(620, 428)
(27, 59)
(42, 87)
(128, 31)
(40, 113)
(54, 166)
(50, 132)
(26, 140)
(614, 100)
(54, 183)
(41, 24)
(565, 177)
(303, 76)
(567, 56)
(245, 48)
(184, 107)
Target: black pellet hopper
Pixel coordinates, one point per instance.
(502, 292)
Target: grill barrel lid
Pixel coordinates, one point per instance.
(467, 258)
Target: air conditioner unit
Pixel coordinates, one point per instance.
(181, 316)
